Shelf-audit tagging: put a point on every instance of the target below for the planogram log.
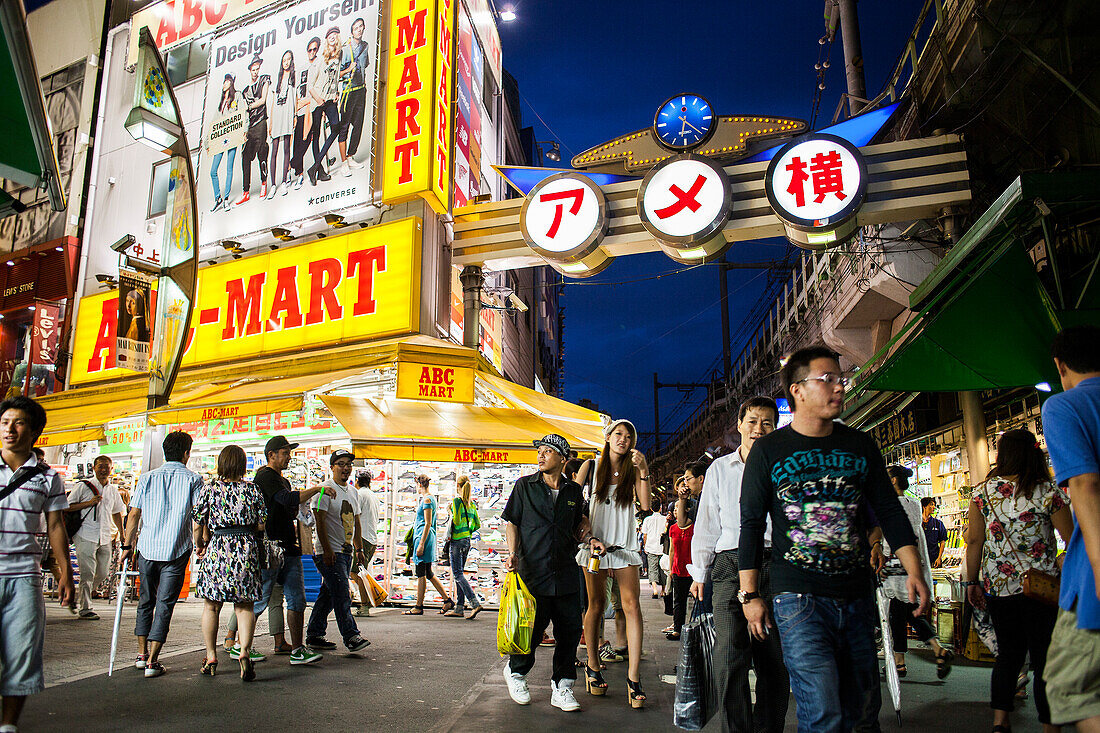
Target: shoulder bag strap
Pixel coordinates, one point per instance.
(20, 477)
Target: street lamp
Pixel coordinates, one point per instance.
(508, 14)
(554, 153)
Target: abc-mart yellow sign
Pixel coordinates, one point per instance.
(338, 290)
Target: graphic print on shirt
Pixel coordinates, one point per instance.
(347, 518)
(820, 495)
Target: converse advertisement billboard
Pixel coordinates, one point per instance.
(288, 121)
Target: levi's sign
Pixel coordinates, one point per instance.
(334, 291)
(435, 382)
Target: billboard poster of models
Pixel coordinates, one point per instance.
(135, 325)
(288, 122)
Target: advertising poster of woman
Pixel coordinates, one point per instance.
(289, 107)
(134, 327)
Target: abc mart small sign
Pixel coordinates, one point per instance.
(816, 184)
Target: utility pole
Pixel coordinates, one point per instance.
(723, 289)
(853, 56)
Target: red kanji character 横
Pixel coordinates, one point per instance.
(798, 180)
(828, 176)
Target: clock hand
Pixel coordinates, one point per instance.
(693, 127)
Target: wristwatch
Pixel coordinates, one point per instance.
(745, 597)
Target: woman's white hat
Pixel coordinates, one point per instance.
(616, 423)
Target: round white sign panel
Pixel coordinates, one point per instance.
(562, 215)
(685, 197)
(815, 182)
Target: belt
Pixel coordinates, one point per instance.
(767, 552)
(233, 530)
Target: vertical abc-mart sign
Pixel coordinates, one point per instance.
(684, 202)
(816, 184)
(563, 219)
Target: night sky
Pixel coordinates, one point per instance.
(589, 71)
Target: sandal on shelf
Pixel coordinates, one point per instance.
(902, 671)
(594, 681)
(415, 611)
(447, 606)
(209, 667)
(635, 694)
(943, 663)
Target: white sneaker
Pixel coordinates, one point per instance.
(354, 163)
(298, 183)
(561, 696)
(517, 687)
(346, 168)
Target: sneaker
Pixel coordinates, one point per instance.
(317, 642)
(140, 661)
(357, 644)
(244, 198)
(363, 611)
(346, 169)
(352, 162)
(517, 687)
(217, 205)
(89, 615)
(298, 183)
(547, 640)
(285, 188)
(263, 190)
(304, 655)
(228, 203)
(607, 654)
(154, 669)
(561, 696)
(72, 608)
(255, 656)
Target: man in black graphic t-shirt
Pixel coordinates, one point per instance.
(255, 141)
(816, 479)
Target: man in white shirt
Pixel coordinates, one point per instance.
(653, 527)
(714, 556)
(100, 504)
(336, 509)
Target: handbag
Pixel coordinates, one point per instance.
(695, 703)
(1037, 584)
(75, 520)
(271, 552)
(447, 527)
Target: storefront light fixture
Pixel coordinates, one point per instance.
(335, 221)
(232, 246)
(152, 130)
(282, 233)
(58, 249)
(554, 153)
(508, 14)
(1043, 386)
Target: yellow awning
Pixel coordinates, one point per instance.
(406, 423)
(93, 415)
(65, 437)
(543, 405)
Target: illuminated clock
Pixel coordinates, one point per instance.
(684, 121)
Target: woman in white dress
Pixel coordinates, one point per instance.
(619, 477)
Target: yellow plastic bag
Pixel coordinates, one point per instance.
(516, 618)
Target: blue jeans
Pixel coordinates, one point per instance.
(161, 583)
(829, 650)
(289, 575)
(459, 549)
(214, 164)
(334, 596)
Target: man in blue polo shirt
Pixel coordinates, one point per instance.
(1071, 423)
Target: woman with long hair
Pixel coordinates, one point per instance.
(464, 522)
(139, 316)
(229, 519)
(282, 122)
(227, 104)
(1013, 515)
(327, 89)
(621, 478)
(424, 544)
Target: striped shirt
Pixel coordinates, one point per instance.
(21, 519)
(165, 497)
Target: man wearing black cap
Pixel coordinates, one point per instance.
(255, 141)
(546, 519)
(336, 537)
(282, 507)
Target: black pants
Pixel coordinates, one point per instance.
(255, 148)
(329, 111)
(301, 142)
(565, 613)
(681, 589)
(901, 617)
(352, 114)
(1023, 627)
(735, 650)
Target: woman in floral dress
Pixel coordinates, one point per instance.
(229, 515)
(1013, 515)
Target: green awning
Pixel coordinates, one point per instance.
(985, 321)
(26, 154)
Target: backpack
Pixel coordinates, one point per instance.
(74, 520)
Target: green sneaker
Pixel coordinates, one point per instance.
(304, 655)
(255, 656)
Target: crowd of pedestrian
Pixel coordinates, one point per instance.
(784, 539)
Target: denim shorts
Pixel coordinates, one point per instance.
(294, 585)
(22, 627)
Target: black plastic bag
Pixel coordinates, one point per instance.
(695, 701)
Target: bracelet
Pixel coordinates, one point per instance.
(125, 547)
(643, 478)
(968, 583)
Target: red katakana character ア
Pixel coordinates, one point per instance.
(577, 194)
(798, 180)
(828, 176)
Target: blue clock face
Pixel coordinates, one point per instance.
(684, 121)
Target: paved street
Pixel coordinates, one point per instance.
(419, 674)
